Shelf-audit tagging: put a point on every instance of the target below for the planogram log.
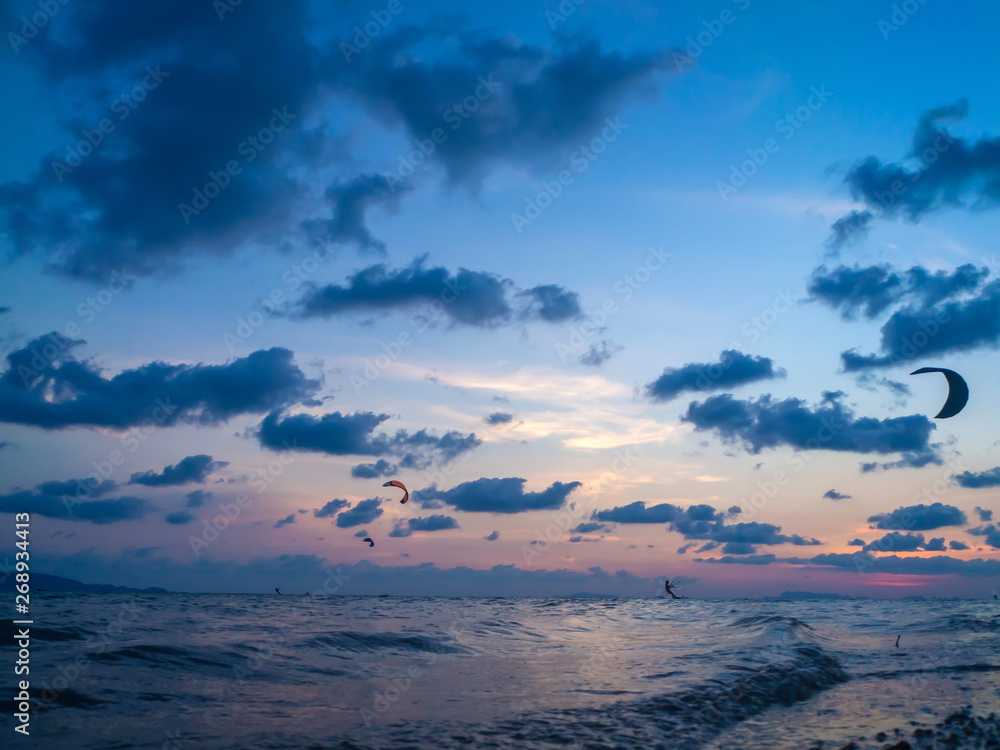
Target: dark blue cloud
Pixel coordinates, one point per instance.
(470, 298)
(552, 303)
(703, 522)
(896, 542)
(856, 543)
(767, 559)
(939, 171)
(67, 509)
(956, 545)
(349, 202)
(873, 289)
(197, 498)
(502, 496)
(939, 565)
(492, 536)
(767, 423)
(406, 526)
(834, 495)
(979, 479)
(590, 527)
(79, 488)
(190, 469)
(598, 353)
(990, 531)
(919, 517)
(683, 550)
(637, 512)
(380, 468)
(918, 332)
(290, 518)
(984, 514)
(330, 508)
(499, 417)
(364, 512)
(164, 394)
(180, 517)
(339, 434)
(733, 369)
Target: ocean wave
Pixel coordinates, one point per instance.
(349, 640)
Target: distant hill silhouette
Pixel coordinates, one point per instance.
(58, 583)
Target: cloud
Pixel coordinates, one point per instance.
(991, 532)
(733, 369)
(988, 478)
(834, 495)
(896, 542)
(856, 543)
(501, 496)
(984, 514)
(871, 290)
(350, 201)
(380, 468)
(499, 417)
(940, 565)
(88, 487)
(578, 538)
(767, 423)
(920, 517)
(339, 434)
(197, 498)
(590, 528)
(745, 560)
(598, 353)
(470, 298)
(205, 394)
(552, 303)
(190, 469)
(406, 526)
(180, 517)
(869, 382)
(363, 513)
(703, 522)
(492, 536)
(290, 518)
(956, 545)
(939, 171)
(684, 549)
(330, 508)
(94, 511)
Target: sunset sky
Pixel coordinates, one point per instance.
(262, 258)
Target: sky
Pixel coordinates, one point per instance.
(619, 291)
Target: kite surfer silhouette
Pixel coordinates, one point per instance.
(670, 590)
(276, 589)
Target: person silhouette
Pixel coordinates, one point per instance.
(670, 590)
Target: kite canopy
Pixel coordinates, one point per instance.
(397, 483)
(958, 391)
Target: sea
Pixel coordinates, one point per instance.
(186, 671)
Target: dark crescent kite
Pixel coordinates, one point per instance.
(397, 483)
(958, 391)
(371, 542)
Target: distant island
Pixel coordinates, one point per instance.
(46, 582)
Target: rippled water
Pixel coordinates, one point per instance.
(211, 671)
